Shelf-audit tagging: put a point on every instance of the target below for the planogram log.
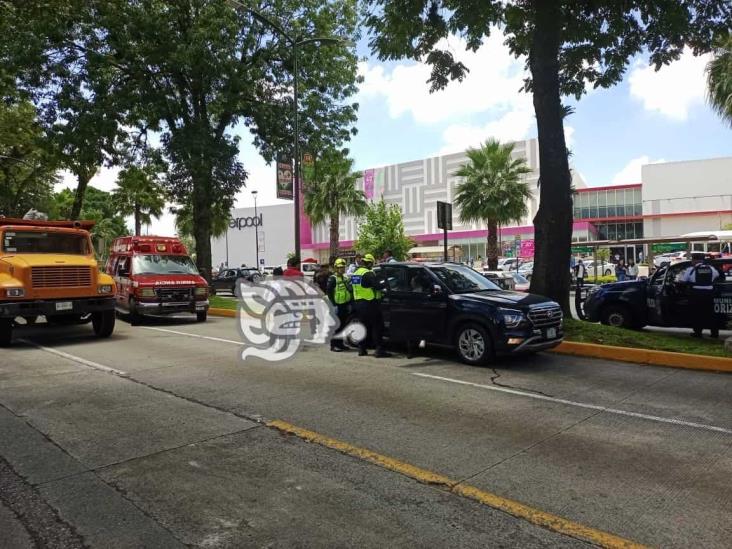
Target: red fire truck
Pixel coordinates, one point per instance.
(155, 276)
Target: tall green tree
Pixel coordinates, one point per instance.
(719, 79)
(331, 192)
(493, 191)
(567, 45)
(192, 71)
(27, 170)
(139, 193)
(381, 229)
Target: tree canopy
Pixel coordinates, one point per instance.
(382, 228)
(568, 45)
(139, 193)
(719, 79)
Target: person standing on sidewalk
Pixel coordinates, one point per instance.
(632, 270)
(340, 293)
(581, 273)
(366, 297)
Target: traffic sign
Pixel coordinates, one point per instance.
(444, 216)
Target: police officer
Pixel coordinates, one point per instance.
(700, 278)
(366, 297)
(340, 293)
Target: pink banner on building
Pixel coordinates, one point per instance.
(527, 248)
(368, 184)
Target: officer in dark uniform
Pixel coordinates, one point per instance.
(340, 293)
(700, 280)
(366, 298)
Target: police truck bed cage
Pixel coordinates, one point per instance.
(86, 225)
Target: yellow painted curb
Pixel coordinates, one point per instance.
(231, 313)
(646, 356)
(540, 518)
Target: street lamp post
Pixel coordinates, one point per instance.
(256, 227)
(296, 43)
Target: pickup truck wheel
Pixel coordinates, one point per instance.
(6, 331)
(212, 290)
(473, 344)
(103, 323)
(617, 316)
(201, 316)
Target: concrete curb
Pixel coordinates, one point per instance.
(646, 356)
(231, 313)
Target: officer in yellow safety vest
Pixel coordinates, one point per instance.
(366, 298)
(340, 293)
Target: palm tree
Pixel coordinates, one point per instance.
(331, 192)
(719, 79)
(140, 195)
(493, 191)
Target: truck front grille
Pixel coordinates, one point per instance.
(545, 316)
(61, 277)
(174, 294)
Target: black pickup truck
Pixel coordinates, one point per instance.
(453, 305)
(661, 300)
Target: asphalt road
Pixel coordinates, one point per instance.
(157, 437)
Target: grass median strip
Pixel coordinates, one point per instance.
(218, 302)
(587, 332)
(537, 517)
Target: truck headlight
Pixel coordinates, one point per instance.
(201, 291)
(146, 292)
(512, 318)
(15, 292)
(104, 289)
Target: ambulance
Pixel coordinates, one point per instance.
(155, 276)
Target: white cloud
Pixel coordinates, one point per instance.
(569, 136)
(672, 90)
(631, 172)
(493, 83)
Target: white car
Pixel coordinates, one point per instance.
(603, 268)
(670, 258)
(501, 279)
(508, 263)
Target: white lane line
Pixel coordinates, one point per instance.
(210, 338)
(659, 419)
(77, 359)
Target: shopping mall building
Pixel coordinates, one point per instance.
(672, 199)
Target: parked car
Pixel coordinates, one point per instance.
(596, 265)
(657, 301)
(508, 263)
(309, 269)
(526, 269)
(225, 281)
(453, 305)
(501, 278)
(521, 283)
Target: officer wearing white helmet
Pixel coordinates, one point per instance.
(366, 297)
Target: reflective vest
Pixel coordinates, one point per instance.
(342, 293)
(359, 292)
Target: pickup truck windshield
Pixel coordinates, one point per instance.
(163, 264)
(36, 242)
(462, 279)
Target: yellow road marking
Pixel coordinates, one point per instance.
(540, 518)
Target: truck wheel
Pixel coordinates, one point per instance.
(103, 323)
(212, 290)
(6, 331)
(201, 316)
(617, 316)
(133, 316)
(473, 344)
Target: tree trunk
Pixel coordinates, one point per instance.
(334, 234)
(553, 221)
(83, 182)
(202, 224)
(138, 224)
(491, 248)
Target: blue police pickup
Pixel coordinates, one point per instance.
(661, 300)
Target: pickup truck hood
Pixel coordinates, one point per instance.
(507, 298)
(169, 280)
(625, 285)
(49, 260)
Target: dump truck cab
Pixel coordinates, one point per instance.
(48, 268)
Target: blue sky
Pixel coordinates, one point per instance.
(650, 116)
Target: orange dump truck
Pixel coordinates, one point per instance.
(47, 268)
